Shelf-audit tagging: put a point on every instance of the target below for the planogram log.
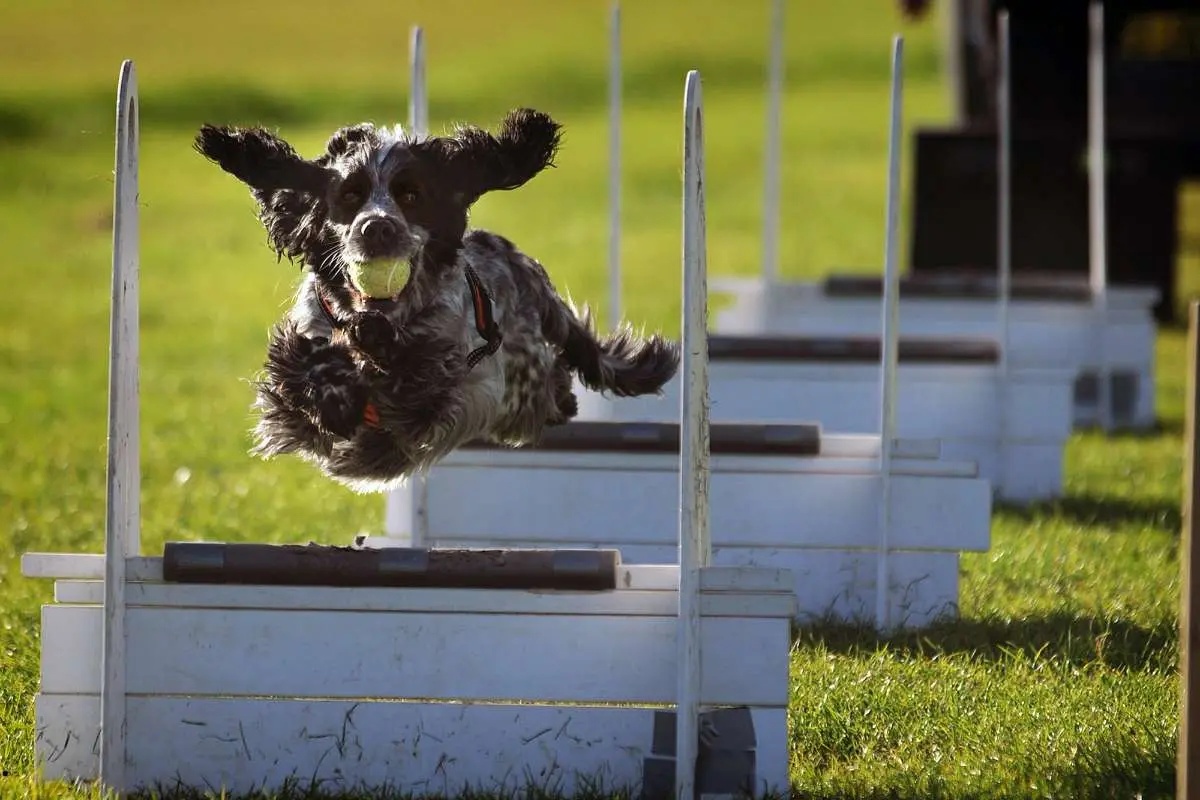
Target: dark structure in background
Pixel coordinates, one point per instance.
(1152, 99)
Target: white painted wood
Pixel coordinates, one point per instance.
(867, 446)
(957, 404)
(124, 466)
(761, 514)
(1098, 199)
(634, 603)
(342, 746)
(772, 166)
(406, 507)
(323, 654)
(850, 463)
(782, 308)
(404, 514)
(396, 516)
(889, 332)
(942, 401)
(749, 509)
(840, 584)
(636, 577)
(86, 565)
(1042, 335)
(418, 97)
(695, 549)
(123, 518)
(614, 165)
(832, 583)
(1003, 224)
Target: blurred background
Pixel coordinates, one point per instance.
(306, 68)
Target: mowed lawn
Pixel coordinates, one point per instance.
(1059, 681)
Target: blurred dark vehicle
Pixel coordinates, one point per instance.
(1152, 99)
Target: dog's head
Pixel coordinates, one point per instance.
(380, 209)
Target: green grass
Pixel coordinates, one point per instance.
(1059, 681)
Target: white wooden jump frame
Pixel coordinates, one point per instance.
(1112, 335)
(828, 561)
(1023, 460)
(146, 682)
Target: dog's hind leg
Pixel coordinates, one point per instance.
(565, 402)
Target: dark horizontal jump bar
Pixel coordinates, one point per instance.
(325, 565)
(851, 349)
(725, 438)
(965, 285)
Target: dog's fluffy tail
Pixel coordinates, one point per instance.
(622, 362)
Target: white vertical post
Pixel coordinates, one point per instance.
(123, 519)
(890, 334)
(1003, 228)
(771, 165)
(1097, 204)
(694, 543)
(418, 100)
(614, 166)
(405, 514)
(418, 123)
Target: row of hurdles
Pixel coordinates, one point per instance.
(784, 493)
(992, 409)
(1103, 335)
(242, 667)
(1001, 368)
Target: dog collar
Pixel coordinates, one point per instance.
(481, 303)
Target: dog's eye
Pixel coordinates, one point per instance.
(350, 197)
(405, 193)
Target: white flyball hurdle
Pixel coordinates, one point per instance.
(1103, 335)
(791, 496)
(1013, 421)
(1014, 430)
(148, 680)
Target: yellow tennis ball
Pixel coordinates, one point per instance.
(381, 278)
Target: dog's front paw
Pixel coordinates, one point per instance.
(374, 335)
(336, 394)
(340, 409)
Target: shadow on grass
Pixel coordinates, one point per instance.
(1172, 426)
(1091, 509)
(1077, 641)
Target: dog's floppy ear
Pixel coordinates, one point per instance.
(525, 145)
(289, 189)
(261, 160)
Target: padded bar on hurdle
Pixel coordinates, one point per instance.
(852, 349)
(964, 285)
(323, 565)
(734, 438)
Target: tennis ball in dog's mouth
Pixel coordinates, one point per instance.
(381, 278)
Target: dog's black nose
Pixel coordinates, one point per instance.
(378, 232)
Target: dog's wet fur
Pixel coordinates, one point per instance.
(375, 390)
